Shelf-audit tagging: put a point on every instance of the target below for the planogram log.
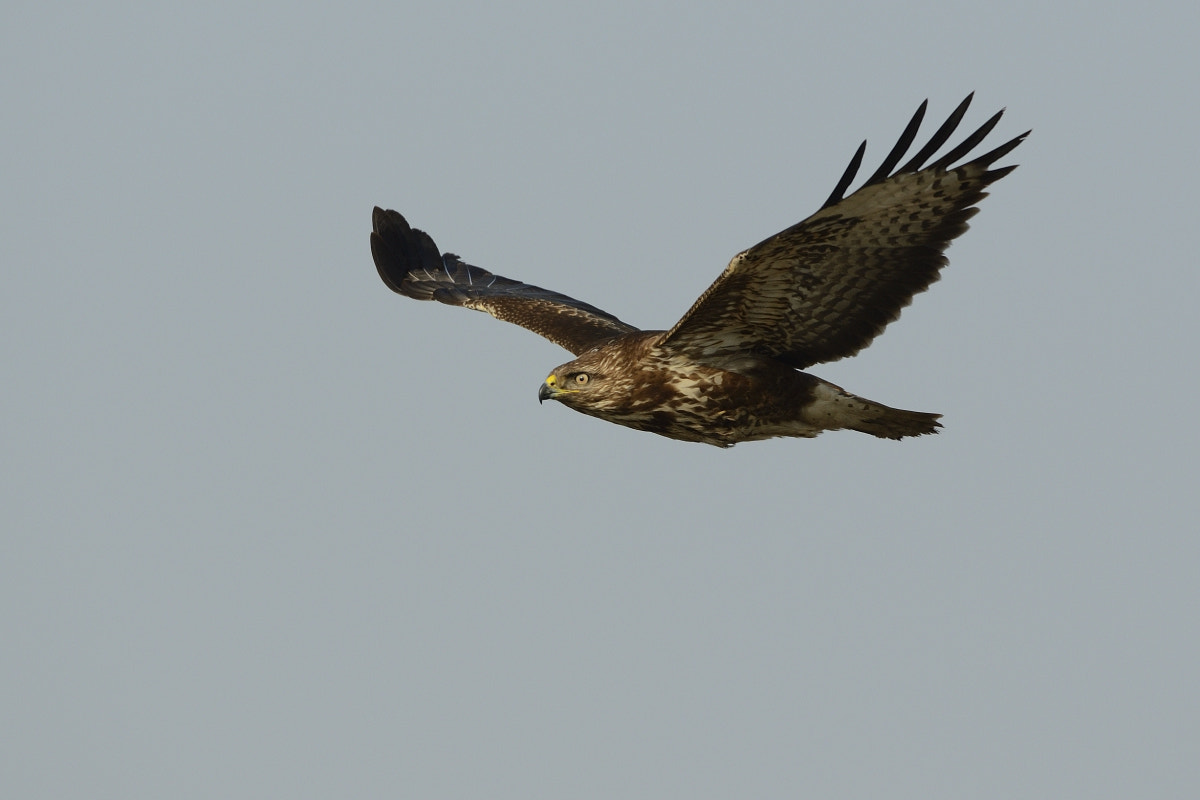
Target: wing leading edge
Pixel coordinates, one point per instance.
(409, 263)
(826, 287)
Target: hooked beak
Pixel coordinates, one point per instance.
(546, 392)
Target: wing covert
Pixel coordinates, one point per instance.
(409, 263)
(824, 288)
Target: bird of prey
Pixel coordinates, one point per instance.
(730, 371)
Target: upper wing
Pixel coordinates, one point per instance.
(824, 288)
(408, 262)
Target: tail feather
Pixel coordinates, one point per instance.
(833, 408)
(894, 423)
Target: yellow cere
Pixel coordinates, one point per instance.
(550, 381)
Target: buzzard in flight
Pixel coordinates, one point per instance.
(730, 370)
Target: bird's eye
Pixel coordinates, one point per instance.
(581, 378)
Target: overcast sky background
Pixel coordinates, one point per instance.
(270, 530)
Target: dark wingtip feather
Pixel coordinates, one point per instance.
(379, 217)
(968, 144)
(940, 136)
(917, 162)
(398, 249)
(1000, 152)
(839, 191)
(901, 147)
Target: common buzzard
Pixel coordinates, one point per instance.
(729, 371)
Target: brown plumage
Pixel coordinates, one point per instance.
(729, 370)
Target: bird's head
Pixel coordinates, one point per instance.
(584, 384)
(571, 386)
(608, 381)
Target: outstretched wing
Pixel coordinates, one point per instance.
(824, 288)
(409, 263)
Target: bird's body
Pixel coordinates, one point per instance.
(721, 401)
(730, 370)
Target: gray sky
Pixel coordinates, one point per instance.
(269, 530)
